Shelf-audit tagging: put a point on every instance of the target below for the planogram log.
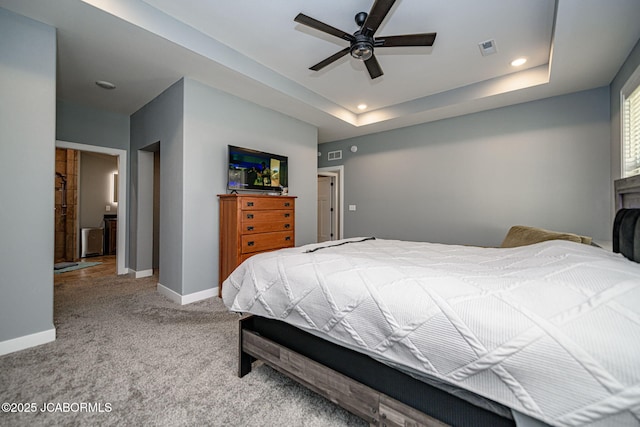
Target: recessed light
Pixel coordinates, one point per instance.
(105, 84)
(518, 62)
(362, 107)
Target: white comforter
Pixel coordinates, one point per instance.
(551, 330)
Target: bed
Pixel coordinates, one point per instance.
(414, 333)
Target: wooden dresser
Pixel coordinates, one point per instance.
(250, 224)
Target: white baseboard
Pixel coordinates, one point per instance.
(27, 341)
(143, 273)
(187, 299)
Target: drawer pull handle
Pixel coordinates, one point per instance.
(249, 203)
(287, 238)
(250, 228)
(249, 216)
(287, 204)
(287, 226)
(251, 243)
(287, 215)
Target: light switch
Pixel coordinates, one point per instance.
(352, 207)
(107, 208)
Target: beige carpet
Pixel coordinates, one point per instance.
(125, 355)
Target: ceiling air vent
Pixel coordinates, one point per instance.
(488, 47)
(334, 155)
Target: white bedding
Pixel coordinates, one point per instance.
(551, 330)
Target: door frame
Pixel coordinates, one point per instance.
(338, 173)
(122, 194)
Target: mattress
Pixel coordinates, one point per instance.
(551, 330)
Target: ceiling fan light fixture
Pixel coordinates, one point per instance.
(362, 50)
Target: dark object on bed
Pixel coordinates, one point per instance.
(626, 233)
(374, 391)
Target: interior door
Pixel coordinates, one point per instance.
(325, 209)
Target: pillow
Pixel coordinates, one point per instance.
(521, 235)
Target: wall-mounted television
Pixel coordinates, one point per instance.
(256, 170)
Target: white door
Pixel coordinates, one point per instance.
(325, 209)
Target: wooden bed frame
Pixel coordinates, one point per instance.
(379, 394)
(365, 387)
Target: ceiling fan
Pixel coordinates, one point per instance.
(363, 41)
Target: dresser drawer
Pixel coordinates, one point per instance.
(259, 203)
(266, 216)
(252, 227)
(267, 241)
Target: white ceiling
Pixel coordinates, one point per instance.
(255, 50)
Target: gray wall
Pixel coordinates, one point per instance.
(85, 125)
(96, 175)
(27, 158)
(466, 180)
(214, 119)
(161, 121)
(194, 124)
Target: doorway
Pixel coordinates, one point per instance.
(326, 208)
(120, 183)
(145, 260)
(330, 203)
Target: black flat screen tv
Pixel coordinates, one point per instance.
(256, 170)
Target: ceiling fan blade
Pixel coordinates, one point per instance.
(373, 67)
(321, 26)
(425, 39)
(320, 65)
(377, 14)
